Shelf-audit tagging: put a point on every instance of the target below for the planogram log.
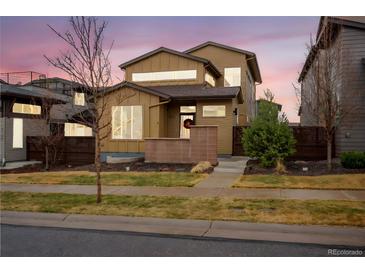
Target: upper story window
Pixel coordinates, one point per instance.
(79, 99)
(127, 122)
(232, 77)
(214, 111)
(164, 75)
(209, 79)
(26, 109)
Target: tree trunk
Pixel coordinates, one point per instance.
(329, 153)
(97, 166)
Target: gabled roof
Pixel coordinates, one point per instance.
(29, 92)
(206, 62)
(252, 56)
(134, 86)
(350, 21)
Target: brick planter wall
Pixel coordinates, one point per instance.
(202, 146)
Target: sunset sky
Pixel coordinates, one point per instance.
(279, 43)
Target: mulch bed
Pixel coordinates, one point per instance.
(137, 166)
(296, 168)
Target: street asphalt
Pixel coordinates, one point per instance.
(44, 241)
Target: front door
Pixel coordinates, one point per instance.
(185, 132)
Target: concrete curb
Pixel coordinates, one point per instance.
(324, 235)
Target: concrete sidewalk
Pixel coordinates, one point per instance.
(247, 193)
(226, 173)
(325, 235)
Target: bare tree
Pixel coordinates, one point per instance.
(87, 63)
(325, 92)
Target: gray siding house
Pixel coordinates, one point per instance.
(350, 79)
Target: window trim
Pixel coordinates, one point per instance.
(205, 116)
(127, 139)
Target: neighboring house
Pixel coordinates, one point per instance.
(259, 102)
(350, 34)
(22, 115)
(211, 84)
(62, 114)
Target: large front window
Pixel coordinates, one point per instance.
(26, 109)
(164, 75)
(214, 111)
(127, 122)
(232, 77)
(74, 129)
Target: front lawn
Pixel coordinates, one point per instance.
(163, 179)
(316, 212)
(344, 181)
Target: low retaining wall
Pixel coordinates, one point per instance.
(202, 146)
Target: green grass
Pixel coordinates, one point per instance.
(163, 179)
(343, 181)
(349, 213)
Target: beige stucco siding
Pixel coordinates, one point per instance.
(164, 61)
(151, 119)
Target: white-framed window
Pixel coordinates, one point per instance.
(232, 77)
(74, 129)
(187, 109)
(17, 133)
(214, 111)
(26, 109)
(164, 75)
(127, 122)
(79, 99)
(209, 79)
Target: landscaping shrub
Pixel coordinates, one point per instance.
(353, 159)
(202, 167)
(269, 137)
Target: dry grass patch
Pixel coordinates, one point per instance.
(164, 179)
(343, 181)
(316, 212)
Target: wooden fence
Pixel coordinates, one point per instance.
(69, 150)
(311, 143)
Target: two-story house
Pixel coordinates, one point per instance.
(164, 90)
(348, 42)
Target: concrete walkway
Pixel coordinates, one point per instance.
(226, 173)
(351, 195)
(314, 234)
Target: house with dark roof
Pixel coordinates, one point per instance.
(168, 90)
(348, 34)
